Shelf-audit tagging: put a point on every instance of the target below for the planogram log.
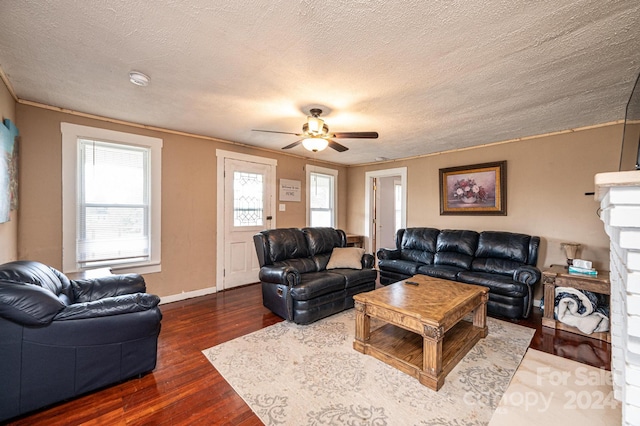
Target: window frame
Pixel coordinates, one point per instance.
(71, 133)
(310, 169)
(397, 198)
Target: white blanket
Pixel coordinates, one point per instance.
(567, 312)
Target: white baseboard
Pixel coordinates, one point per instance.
(536, 303)
(187, 295)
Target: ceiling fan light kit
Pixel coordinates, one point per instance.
(316, 137)
(315, 144)
(316, 126)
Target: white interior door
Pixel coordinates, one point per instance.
(385, 214)
(383, 211)
(247, 210)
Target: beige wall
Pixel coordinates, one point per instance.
(188, 198)
(8, 230)
(546, 181)
(547, 178)
(630, 146)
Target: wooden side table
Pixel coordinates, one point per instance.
(559, 276)
(355, 240)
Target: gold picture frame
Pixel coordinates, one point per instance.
(477, 189)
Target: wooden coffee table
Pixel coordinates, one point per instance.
(425, 335)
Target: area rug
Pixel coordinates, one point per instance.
(547, 388)
(310, 375)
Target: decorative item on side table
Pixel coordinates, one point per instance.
(571, 251)
(581, 266)
(479, 189)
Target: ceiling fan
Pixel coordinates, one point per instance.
(316, 137)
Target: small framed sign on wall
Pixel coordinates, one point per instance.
(290, 190)
(477, 189)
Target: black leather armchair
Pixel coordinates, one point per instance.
(61, 338)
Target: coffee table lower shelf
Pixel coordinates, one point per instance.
(404, 349)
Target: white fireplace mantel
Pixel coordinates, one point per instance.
(619, 196)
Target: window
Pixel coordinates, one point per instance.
(247, 198)
(321, 196)
(111, 200)
(397, 189)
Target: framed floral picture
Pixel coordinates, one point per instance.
(478, 189)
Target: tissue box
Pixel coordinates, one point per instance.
(580, 263)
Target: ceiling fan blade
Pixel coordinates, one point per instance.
(338, 147)
(355, 135)
(274, 131)
(291, 145)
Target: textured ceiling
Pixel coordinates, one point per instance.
(429, 76)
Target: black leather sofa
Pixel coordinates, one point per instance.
(504, 262)
(61, 338)
(296, 283)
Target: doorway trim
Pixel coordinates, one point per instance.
(222, 155)
(369, 196)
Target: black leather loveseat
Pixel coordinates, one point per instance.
(298, 280)
(504, 262)
(62, 338)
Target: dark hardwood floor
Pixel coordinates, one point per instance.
(185, 389)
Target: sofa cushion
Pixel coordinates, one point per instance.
(28, 304)
(302, 265)
(321, 260)
(419, 244)
(423, 257)
(447, 272)
(36, 273)
(456, 248)
(405, 267)
(457, 241)
(288, 243)
(495, 266)
(323, 240)
(113, 285)
(503, 245)
(355, 277)
(346, 257)
(116, 305)
(314, 284)
(498, 284)
(459, 260)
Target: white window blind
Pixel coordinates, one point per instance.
(113, 204)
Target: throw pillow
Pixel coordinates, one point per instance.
(346, 257)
